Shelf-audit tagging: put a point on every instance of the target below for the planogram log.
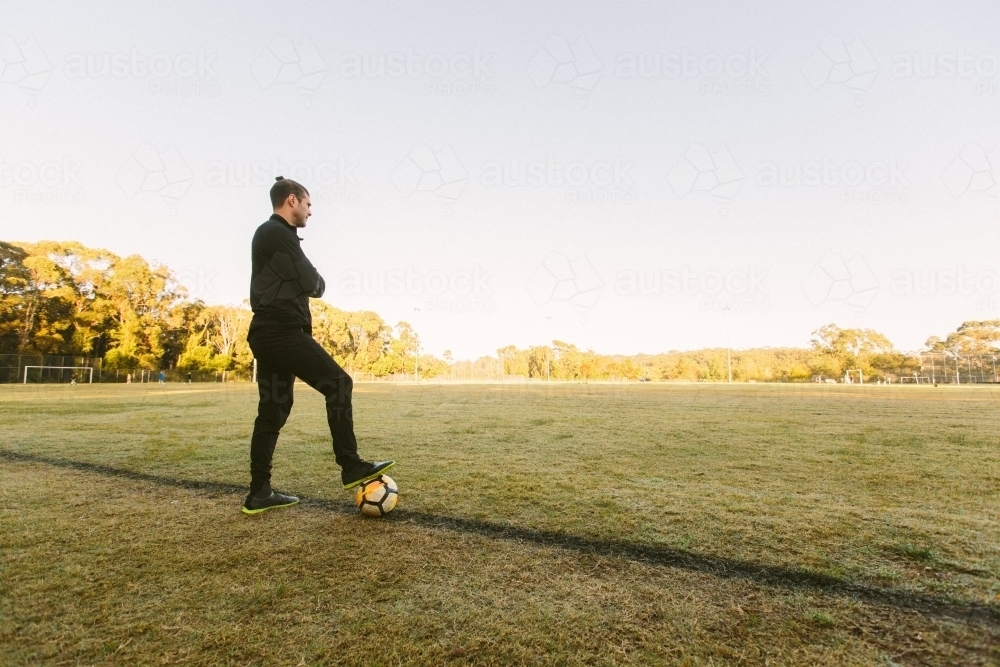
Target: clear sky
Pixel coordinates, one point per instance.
(629, 177)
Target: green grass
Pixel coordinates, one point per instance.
(553, 524)
(913, 552)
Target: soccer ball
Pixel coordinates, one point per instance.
(377, 497)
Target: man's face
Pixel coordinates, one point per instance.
(301, 210)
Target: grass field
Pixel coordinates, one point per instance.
(538, 524)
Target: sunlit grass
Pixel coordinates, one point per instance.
(892, 488)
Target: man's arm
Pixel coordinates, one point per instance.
(308, 277)
(288, 273)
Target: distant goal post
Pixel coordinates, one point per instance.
(90, 369)
(915, 379)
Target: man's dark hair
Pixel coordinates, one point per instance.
(284, 187)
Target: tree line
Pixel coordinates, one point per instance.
(832, 352)
(63, 298)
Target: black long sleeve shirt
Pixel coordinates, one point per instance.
(282, 279)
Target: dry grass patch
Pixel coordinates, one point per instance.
(596, 525)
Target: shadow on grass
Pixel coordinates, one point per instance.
(727, 568)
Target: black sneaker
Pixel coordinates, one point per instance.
(267, 499)
(362, 471)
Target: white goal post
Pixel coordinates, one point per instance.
(62, 368)
(848, 376)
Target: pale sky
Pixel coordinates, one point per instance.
(629, 177)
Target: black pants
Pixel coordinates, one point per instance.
(284, 353)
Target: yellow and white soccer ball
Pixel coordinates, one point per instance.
(377, 497)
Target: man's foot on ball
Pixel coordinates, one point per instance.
(267, 499)
(362, 471)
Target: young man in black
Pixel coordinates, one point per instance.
(282, 281)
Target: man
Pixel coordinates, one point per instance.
(282, 280)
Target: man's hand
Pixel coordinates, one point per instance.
(320, 288)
